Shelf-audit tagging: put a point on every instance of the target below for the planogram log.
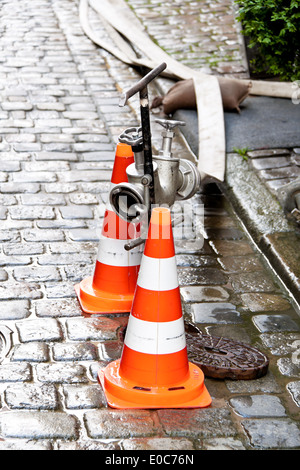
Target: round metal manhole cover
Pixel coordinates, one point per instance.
(222, 358)
(5, 341)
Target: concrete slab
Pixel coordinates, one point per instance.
(263, 122)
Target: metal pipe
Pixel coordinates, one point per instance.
(139, 86)
(146, 130)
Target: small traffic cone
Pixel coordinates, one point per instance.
(111, 288)
(154, 371)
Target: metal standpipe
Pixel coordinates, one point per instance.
(152, 180)
(141, 87)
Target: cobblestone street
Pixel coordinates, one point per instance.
(59, 125)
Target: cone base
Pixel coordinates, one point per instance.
(124, 394)
(92, 301)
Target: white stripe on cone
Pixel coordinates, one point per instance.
(159, 274)
(112, 252)
(155, 338)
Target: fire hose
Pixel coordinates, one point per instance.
(128, 34)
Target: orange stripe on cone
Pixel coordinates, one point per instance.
(154, 371)
(111, 288)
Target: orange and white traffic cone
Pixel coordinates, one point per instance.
(154, 371)
(111, 288)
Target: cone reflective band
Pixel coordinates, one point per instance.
(111, 288)
(154, 371)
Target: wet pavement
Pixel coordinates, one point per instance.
(59, 124)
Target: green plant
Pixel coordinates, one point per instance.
(273, 26)
(242, 152)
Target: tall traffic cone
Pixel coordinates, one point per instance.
(111, 288)
(154, 371)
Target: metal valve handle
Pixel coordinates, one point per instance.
(132, 136)
(169, 124)
(168, 134)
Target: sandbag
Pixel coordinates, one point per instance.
(182, 95)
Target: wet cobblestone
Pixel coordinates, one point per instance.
(59, 122)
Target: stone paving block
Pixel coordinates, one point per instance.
(80, 397)
(35, 177)
(266, 385)
(252, 282)
(195, 261)
(9, 167)
(33, 235)
(203, 294)
(258, 406)
(119, 424)
(199, 423)
(43, 199)
(223, 444)
(269, 323)
(3, 213)
(9, 236)
(56, 106)
(14, 309)
(39, 330)
(271, 162)
(88, 445)
(18, 187)
(281, 344)
(32, 396)
(76, 212)
(162, 443)
(15, 373)
(31, 352)
(37, 274)
(75, 352)
(98, 156)
(289, 367)
(19, 290)
(35, 425)
(272, 433)
(197, 246)
(215, 312)
(292, 171)
(92, 329)
(27, 146)
(239, 264)
(22, 444)
(74, 259)
(56, 123)
(88, 176)
(14, 260)
(83, 198)
(267, 153)
(224, 234)
(3, 275)
(200, 276)
(7, 200)
(56, 224)
(110, 350)
(81, 235)
(58, 308)
(61, 373)
(261, 302)
(31, 213)
(53, 156)
(61, 290)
